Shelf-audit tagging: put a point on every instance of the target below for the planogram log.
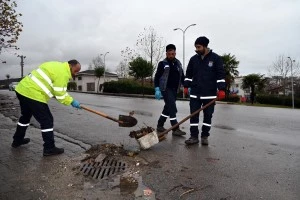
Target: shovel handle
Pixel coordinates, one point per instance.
(101, 114)
(188, 117)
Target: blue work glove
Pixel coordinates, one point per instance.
(76, 104)
(157, 93)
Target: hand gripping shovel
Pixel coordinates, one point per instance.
(124, 121)
(153, 138)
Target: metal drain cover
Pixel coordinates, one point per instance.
(100, 170)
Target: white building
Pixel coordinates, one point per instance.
(236, 88)
(87, 81)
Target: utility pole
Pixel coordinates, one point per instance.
(22, 64)
(292, 81)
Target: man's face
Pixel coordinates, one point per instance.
(200, 49)
(75, 69)
(171, 54)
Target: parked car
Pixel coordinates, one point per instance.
(12, 86)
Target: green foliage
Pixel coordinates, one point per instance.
(275, 100)
(72, 86)
(140, 68)
(230, 66)
(254, 81)
(99, 71)
(10, 26)
(127, 87)
(232, 98)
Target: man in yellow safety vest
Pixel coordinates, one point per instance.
(34, 91)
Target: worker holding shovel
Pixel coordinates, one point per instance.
(168, 79)
(34, 91)
(204, 75)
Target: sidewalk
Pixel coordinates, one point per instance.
(25, 173)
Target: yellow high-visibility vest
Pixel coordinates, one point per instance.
(49, 80)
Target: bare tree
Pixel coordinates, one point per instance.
(281, 70)
(123, 70)
(96, 62)
(152, 46)
(128, 55)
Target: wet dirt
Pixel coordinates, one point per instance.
(127, 184)
(142, 132)
(109, 150)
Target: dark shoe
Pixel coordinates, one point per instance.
(191, 141)
(160, 129)
(204, 140)
(53, 151)
(17, 144)
(178, 132)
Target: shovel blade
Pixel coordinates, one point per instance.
(127, 121)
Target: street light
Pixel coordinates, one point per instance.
(183, 32)
(292, 80)
(104, 66)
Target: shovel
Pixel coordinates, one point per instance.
(153, 138)
(124, 121)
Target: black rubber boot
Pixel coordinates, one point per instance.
(204, 141)
(53, 151)
(19, 137)
(16, 143)
(160, 129)
(192, 140)
(178, 132)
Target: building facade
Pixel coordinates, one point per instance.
(86, 81)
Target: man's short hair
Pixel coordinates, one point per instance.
(170, 47)
(73, 62)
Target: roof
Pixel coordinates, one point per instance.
(91, 72)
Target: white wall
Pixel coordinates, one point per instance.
(92, 79)
(237, 86)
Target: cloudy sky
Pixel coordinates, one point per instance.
(255, 31)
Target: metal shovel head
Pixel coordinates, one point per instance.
(127, 121)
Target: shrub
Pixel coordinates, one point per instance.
(72, 86)
(232, 98)
(278, 100)
(127, 87)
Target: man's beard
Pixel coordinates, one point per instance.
(201, 53)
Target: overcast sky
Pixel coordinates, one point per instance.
(255, 31)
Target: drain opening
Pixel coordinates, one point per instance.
(105, 168)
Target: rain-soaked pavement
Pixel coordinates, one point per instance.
(254, 152)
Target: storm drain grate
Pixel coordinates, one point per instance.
(100, 170)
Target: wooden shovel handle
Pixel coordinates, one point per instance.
(100, 113)
(188, 117)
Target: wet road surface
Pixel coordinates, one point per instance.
(254, 152)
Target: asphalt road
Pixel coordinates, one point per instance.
(254, 152)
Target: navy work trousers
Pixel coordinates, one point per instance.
(196, 104)
(170, 108)
(41, 112)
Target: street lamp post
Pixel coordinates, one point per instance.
(183, 58)
(292, 81)
(183, 31)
